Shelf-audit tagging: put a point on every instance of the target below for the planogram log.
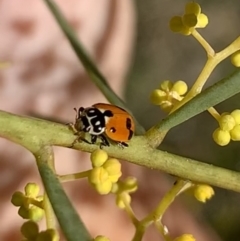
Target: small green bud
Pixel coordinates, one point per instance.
(23, 212)
(29, 230)
(36, 213)
(18, 199)
(32, 190)
(48, 235)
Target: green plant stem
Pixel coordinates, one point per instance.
(32, 133)
(70, 223)
(36, 203)
(157, 214)
(129, 210)
(212, 61)
(49, 214)
(208, 48)
(140, 230)
(162, 230)
(73, 176)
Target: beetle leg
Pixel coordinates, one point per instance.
(93, 139)
(73, 128)
(122, 144)
(104, 141)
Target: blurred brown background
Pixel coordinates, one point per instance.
(135, 50)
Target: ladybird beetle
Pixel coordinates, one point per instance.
(105, 120)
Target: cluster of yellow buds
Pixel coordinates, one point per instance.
(192, 18)
(169, 94)
(122, 189)
(29, 203)
(203, 192)
(30, 231)
(229, 128)
(106, 171)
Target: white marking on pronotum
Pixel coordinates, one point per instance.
(97, 123)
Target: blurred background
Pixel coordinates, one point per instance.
(133, 47)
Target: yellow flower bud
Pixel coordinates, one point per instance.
(113, 167)
(180, 87)
(36, 213)
(166, 85)
(176, 24)
(101, 238)
(193, 18)
(29, 230)
(115, 188)
(131, 182)
(235, 133)
(221, 137)
(32, 190)
(202, 21)
(189, 20)
(104, 187)
(192, 7)
(157, 96)
(236, 115)
(226, 122)
(185, 237)
(235, 59)
(98, 158)
(98, 175)
(203, 192)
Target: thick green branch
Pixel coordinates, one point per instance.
(28, 131)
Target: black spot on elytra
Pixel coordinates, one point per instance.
(130, 134)
(113, 130)
(128, 123)
(108, 113)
